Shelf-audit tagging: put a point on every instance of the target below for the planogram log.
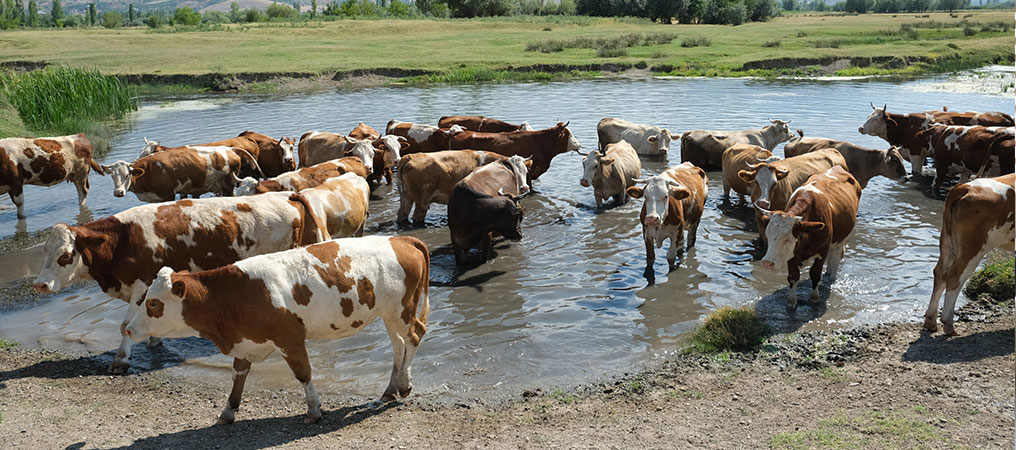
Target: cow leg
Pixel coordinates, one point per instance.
(816, 277)
(964, 176)
(399, 354)
(388, 175)
(420, 212)
(726, 190)
(18, 197)
(834, 258)
(122, 360)
(676, 245)
(692, 234)
(298, 362)
(793, 278)
(599, 201)
(916, 164)
(650, 274)
(241, 367)
(81, 183)
(486, 246)
(405, 205)
(952, 290)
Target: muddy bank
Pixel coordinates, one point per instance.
(881, 386)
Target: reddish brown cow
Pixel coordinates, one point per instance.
(193, 171)
(390, 148)
(978, 217)
(815, 225)
(304, 178)
(482, 124)
(364, 131)
(422, 138)
(45, 162)
(986, 151)
(273, 156)
(541, 145)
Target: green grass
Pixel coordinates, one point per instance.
(562, 397)
(493, 44)
(894, 429)
(995, 280)
(11, 124)
(4, 343)
(729, 329)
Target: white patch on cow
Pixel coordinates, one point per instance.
(518, 164)
(656, 195)
(120, 173)
(766, 179)
(54, 277)
(363, 149)
(573, 143)
(590, 163)
(525, 126)
(1001, 189)
(420, 133)
(391, 155)
(247, 186)
(780, 234)
(148, 149)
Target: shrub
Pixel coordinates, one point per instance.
(827, 43)
(969, 31)
(699, 41)
(995, 280)
(216, 17)
(734, 14)
(611, 52)
(802, 34)
(112, 19)
(550, 46)
(186, 16)
(771, 44)
(253, 15)
(153, 21)
(398, 9)
(56, 99)
(281, 11)
(730, 329)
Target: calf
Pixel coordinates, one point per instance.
(705, 148)
(123, 252)
(484, 202)
(317, 147)
(304, 178)
(863, 163)
(541, 145)
(986, 151)
(774, 181)
(978, 216)
(482, 124)
(193, 171)
(674, 201)
(270, 307)
(612, 172)
(647, 140)
(426, 178)
(815, 225)
(341, 204)
(422, 138)
(45, 162)
(737, 158)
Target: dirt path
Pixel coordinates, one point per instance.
(885, 386)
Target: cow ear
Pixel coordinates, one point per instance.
(634, 192)
(764, 219)
(781, 174)
(606, 160)
(653, 138)
(890, 120)
(679, 193)
(747, 176)
(137, 171)
(179, 288)
(88, 240)
(808, 227)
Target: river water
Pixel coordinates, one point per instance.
(568, 303)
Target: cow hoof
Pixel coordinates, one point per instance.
(948, 330)
(791, 309)
(814, 296)
(119, 368)
(930, 324)
(311, 418)
(224, 421)
(405, 392)
(388, 396)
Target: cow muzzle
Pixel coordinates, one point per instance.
(769, 265)
(764, 204)
(860, 130)
(653, 220)
(584, 182)
(43, 288)
(118, 193)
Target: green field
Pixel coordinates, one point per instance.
(487, 44)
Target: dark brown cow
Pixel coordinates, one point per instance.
(482, 124)
(485, 202)
(304, 178)
(346, 284)
(986, 151)
(45, 162)
(541, 145)
(815, 225)
(985, 119)
(123, 252)
(422, 138)
(978, 217)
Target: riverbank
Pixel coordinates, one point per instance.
(352, 53)
(889, 385)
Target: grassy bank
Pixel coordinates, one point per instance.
(460, 50)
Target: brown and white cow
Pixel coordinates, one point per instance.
(541, 145)
(484, 202)
(45, 162)
(482, 124)
(390, 150)
(819, 217)
(329, 290)
(426, 178)
(422, 138)
(978, 217)
(863, 163)
(123, 252)
(645, 139)
(984, 119)
(737, 158)
(612, 172)
(364, 131)
(985, 151)
(705, 148)
(193, 171)
(775, 181)
(304, 178)
(341, 204)
(317, 147)
(674, 201)
(273, 156)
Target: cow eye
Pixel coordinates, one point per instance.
(154, 304)
(65, 258)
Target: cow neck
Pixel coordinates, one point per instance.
(675, 211)
(103, 262)
(900, 133)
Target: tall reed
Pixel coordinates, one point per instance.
(61, 100)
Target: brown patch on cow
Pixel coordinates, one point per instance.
(218, 161)
(48, 145)
(269, 186)
(414, 258)
(334, 327)
(356, 324)
(82, 148)
(347, 307)
(52, 170)
(244, 207)
(28, 152)
(185, 202)
(334, 271)
(155, 308)
(301, 294)
(170, 221)
(365, 292)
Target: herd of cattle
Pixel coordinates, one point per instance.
(236, 268)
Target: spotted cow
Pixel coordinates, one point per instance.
(341, 204)
(317, 147)
(304, 178)
(193, 171)
(985, 151)
(329, 290)
(123, 252)
(426, 178)
(273, 156)
(45, 162)
(422, 138)
(540, 145)
(863, 163)
(647, 140)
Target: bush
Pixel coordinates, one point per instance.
(771, 44)
(969, 31)
(57, 99)
(398, 9)
(477, 8)
(112, 19)
(153, 21)
(281, 11)
(216, 17)
(611, 52)
(734, 14)
(186, 16)
(995, 280)
(730, 329)
(253, 15)
(827, 43)
(700, 41)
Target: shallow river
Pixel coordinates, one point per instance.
(568, 303)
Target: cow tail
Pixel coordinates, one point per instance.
(313, 230)
(95, 166)
(425, 304)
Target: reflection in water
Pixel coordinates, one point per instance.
(568, 302)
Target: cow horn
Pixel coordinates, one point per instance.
(236, 179)
(884, 107)
(576, 151)
(527, 159)
(788, 122)
(639, 180)
(762, 210)
(566, 124)
(872, 105)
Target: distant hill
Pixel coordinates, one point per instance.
(244, 4)
(79, 6)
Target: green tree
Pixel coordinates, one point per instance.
(186, 16)
(234, 12)
(91, 14)
(131, 14)
(33, 13)
(950, 5)
(662, 10)
(56, 14)
(153, 21)
(112, 19)
(19, 8)
(789, 5)
(313, 9)
(280, 11)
